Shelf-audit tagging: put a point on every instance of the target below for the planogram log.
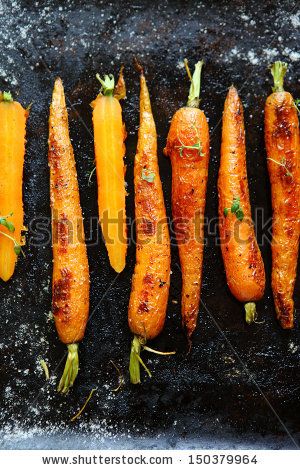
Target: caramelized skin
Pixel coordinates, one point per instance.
(151, 278)
(109, 136)
(189, 179)
(241, 255)
(70, 283)
(282, 145)
(12, 150)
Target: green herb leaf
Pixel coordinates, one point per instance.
(239, 214)
(297, 104)
(226, 211)
(236, 209)
(197, 145)
(148, 175)
(17, 249)
(283, 164)
(10, 226)
(7, 224)
(235, 205)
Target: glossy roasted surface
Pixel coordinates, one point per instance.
(209, 398)
(243, 262)
(70, 280)
(283, 147)
(189, 127)
(151, 277)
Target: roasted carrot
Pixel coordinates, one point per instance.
(151, 278)
(12, 149)
(241, 255)
(70, 281)
(109, 136)
(283, 157)
(188, 148)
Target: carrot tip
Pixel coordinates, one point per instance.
(136, 361)
(138, 67)
(71, 369)
(189, 345)
(251, 313)
(159, 353)
(120, 88)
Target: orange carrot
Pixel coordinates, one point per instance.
(70, 282)
(188, 148)
(151, 278)
(283, 155)
(109, 136)
(12, 149)
(241, 255)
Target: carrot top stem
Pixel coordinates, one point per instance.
(278, 71)
(251, 314)
(71, 369)
(107, 84)
(6, 96)
(108, 87)
(136, 360)
(194, 94)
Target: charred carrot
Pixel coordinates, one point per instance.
(283, 157)
(12, 149)
(241, 255)
(188, 148)
(109, 136)
(151, 278)
(70, 281)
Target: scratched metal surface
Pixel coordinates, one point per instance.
(239, 387)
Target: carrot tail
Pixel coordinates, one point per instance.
(251, 313)
(136, 360)
(71, 369)
(278, 70)
(120, 88)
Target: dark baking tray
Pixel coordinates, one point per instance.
(239, 387)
